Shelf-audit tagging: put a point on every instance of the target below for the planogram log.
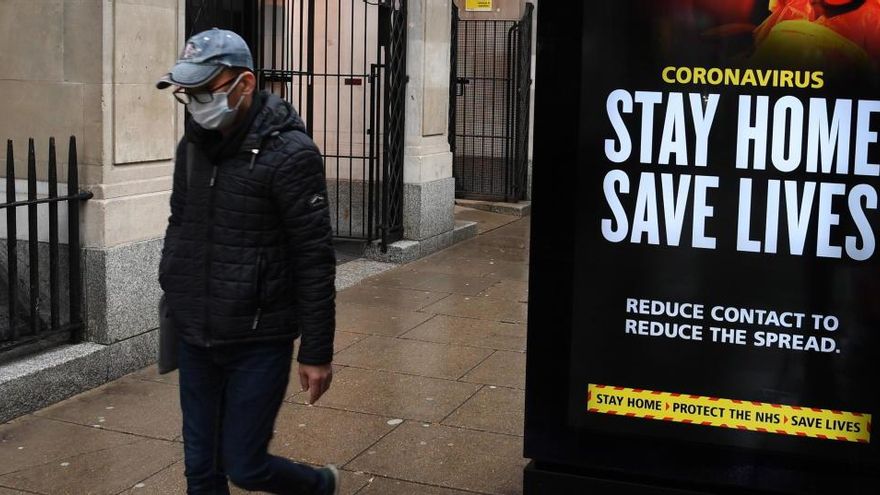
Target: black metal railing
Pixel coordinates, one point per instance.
(490, 88)
(31, 322)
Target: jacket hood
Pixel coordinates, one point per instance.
(275, 117)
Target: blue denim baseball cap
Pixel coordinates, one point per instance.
(204, 56)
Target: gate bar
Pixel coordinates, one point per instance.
(365, 212)
(509, 112)
(374, 126)
(338, 101)
(350, 126)
(483, 117)
(310, 65)
(494, 98)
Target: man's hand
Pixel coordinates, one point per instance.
(315, 379)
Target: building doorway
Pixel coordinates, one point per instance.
(342, 64)
(489, 107)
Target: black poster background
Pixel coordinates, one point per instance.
(626, 44)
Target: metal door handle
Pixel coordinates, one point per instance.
(460, 84)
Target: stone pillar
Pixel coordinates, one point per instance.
(429, 188)
(130, 174)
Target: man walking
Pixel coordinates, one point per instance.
(248, 266)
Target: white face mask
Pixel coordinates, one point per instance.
(216, 114)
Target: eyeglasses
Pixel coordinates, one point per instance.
(186, 96)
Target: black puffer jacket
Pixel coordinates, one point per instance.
(248, 254)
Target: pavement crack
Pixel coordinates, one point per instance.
(459, 379)
(378, 440)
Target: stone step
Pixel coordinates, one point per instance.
(463, 231)
(519, 209)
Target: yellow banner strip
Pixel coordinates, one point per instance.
(761, 417)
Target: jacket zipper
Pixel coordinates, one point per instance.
(209, 255)
(256, 324)
(259, 292)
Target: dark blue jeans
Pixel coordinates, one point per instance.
(230, 397)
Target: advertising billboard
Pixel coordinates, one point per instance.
(720, 259)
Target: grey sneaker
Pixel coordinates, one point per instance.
(331, 474)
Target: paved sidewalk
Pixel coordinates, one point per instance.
(427, 397)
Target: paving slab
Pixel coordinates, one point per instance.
(394, 395)
(434, 282)
(486, 221)
(453, 265)
(104, 472)
(140, 407)
(32, 441)
(344, 340)
(447, 457)
(511, 290)
(444, 329)
(320, 436)
(151, 373)
(500, 238)
(10, 491)
(377, 320)
(520, 227)
(495, 409)
(473, 266)
(480, 307)
(405, 299)
(413, 357)
(490, 252)
(385, 486)
(166, 481)
(508, 270)
(502, 369)
(171, 480)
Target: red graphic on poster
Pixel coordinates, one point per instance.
(804, 33)
(846, 30)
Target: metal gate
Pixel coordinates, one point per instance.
(490, 97)
(342, 64)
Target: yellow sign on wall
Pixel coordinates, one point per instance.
(478, 6)
(777, 419)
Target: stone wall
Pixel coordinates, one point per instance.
(51, 77)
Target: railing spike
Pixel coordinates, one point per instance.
(73, 244)
(54, 290)
(11, 244)
(33, 242)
